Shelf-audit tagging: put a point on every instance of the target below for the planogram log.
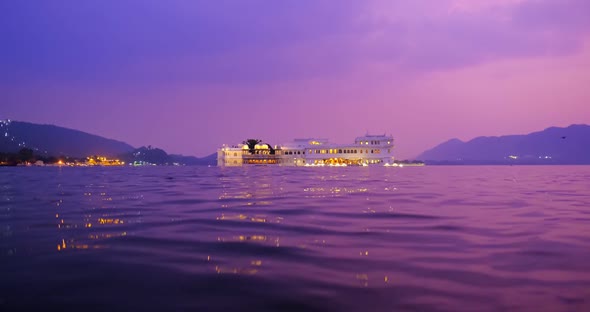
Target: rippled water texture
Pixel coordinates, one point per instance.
(295, 239)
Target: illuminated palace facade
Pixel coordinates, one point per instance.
(366, 150)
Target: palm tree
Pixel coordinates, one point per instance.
(272, 150)
(26, 155)
(252, 144)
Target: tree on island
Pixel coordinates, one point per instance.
(148, 154)
(272, 150)
(252, 144)
(26, 155)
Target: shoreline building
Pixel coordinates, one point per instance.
(366, 150)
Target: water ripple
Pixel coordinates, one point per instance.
(295, 239)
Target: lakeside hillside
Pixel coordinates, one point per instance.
(54, 140)
(554, 145)
(58, 142)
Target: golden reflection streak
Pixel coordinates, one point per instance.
(260, 219)
(238, 271)
(62, 246)
(243, 238)
(227, 196)
(72, 245)
(106, 235)
(110, 221)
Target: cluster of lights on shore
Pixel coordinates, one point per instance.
(93, 161)
(102, 161)
(345, 165)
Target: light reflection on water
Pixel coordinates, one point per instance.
(264, 238)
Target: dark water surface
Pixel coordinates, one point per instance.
(295, 239)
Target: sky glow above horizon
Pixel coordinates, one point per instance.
(188, 76)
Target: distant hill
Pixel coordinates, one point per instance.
(160, 157)
(56, 141)
(570, 145)
(50, 140)
(210, 160)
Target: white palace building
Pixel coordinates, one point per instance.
(366, 150)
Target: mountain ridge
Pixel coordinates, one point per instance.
(52, 140)
(553, 145)
(55, 140)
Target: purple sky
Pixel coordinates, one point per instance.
(188, 76)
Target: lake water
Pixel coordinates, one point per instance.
(472, 238)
